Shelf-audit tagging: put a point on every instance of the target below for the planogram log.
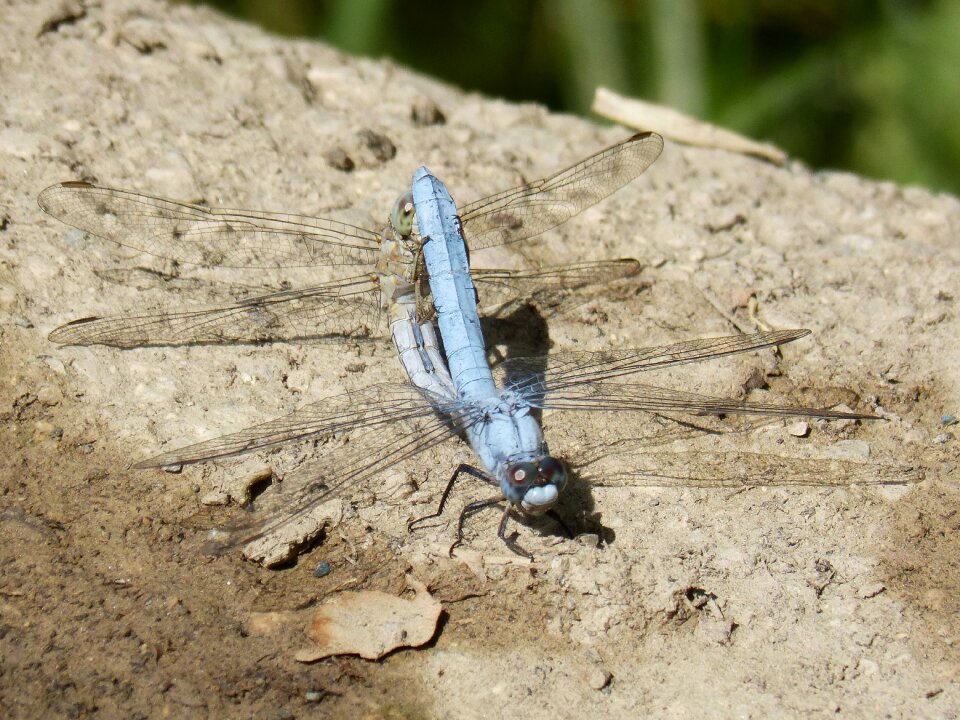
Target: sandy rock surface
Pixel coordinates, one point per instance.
(787, 600)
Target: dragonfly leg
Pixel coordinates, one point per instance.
(470, 510)
(510, 542)
(555, 516)
(461, 468)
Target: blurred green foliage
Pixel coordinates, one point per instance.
(869, 86)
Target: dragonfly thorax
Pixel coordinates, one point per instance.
(534, 484)
(394, 271)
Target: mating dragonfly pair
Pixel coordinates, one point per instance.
(417, 281)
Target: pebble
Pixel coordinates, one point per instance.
(599, 678)
(380, 146)
(322, 569)
(338, 159)
(943, 438)
(740, 297)
(426, 112)
(799, 429)
(589, 540)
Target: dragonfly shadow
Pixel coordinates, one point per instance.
(518, 331)
(577, 509)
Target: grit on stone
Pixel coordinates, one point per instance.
(786, 601)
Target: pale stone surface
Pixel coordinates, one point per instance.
(780, 601)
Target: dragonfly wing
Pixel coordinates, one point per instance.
(620, 397)
(207, 236)
(558, 371)
(285, 518)
(528, 210)
(388, 424)
(377, 406)
(341, 309)
(501, 286)
(735, 469)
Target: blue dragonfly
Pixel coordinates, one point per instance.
(494, 409)
(392, 283)
(453, 391)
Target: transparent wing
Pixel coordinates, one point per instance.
(336, 310)
(501, 286)
(378, 406)
(369, 452)
(650, 398)
(558, 371)
(528, 210)
(615, 466)
(388, 424)
(207, 236)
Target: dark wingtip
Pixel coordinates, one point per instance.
(622, 268)
(631, 265)
(646, 134)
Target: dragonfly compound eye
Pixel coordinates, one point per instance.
(551, 471)
(523, 473)
(402, 216)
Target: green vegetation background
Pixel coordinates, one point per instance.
(871, 86)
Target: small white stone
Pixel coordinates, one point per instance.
(599, 678)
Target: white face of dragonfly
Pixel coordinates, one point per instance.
(535, 485)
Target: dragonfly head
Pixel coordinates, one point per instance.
(535, 484)
(401, 217)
